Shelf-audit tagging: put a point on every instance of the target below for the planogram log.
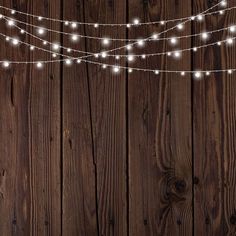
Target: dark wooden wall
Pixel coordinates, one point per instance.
(85, 152)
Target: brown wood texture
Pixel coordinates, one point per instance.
(86, 152)
(30, 136)
(214, 128)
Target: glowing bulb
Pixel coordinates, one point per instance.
(130, 58)
(177, 54)
(39, 65)
(143, 56)
(232, 28)
(136, 21)
(78, 60)
(128, 25)
(73, 25)
(198, 74)
(74, 37)
(230, 41)
(104, 66)
(66, 22)
(40, 18)
(6, 64)
(221, 12)
(183, 73)
(15, 41)
(155, 36)
(157, 72)
(96, 55)
(7, 38)
(56, 46)
(162, 22)
(117, 57)
(10, 22)
(1, 16)
(180, 26)
(204, 35)
(13, 12)
(168, 53)
(192, 18)
(32, 48)
(105, 41)
(219, 43)
(129, 47)
(54, 55)
(41, 31)
(116, 69)
(22, 31)
(45, 42)
(208, 73)
(230, 72)
(96, 25)
(173, 40)
(223, 3)
(68, 62)
(200, 17)
(140, 42)
(68, 50)
(194, 49)
(104, 54)
(130, 70)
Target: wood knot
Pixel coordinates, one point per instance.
(180, 186)
(207, 221)
(145, 221)
(233, 219)
(179, 222)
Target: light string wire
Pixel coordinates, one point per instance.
(86, 36)
(7, 19)
(134, 55)
(134, 43)
(13, 11)
(130, 69)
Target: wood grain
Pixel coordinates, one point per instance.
(214, 128)
(30, 125)
(160, 171)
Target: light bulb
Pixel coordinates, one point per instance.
(194, 49)
(208, 73)
(73, 25)
(204, 35)
(155, 36)
(183, 73)
(7, 38)
(157, 72)
(106, 41)
(230, 41)
(232, 28)
(192, 18)
(168, 53)
(32, 48)
(1, 16)
(130, 58)
(143, 56)
(11, 22)
(54, 55)
(180, 26)
(68, 50)
(96, 25)
(162, 22)
(230, 72)
(13, 12)
(140, 42)
(96, 55)
(200, 17)
(6, 64)
(56, 46)
(218, 43)
(45, 42)
(129, 47)
(74, 37)
(22, 31)
(130, 70)
(116, 69)
(39, 65)
(198, 74)
(78, 60)
(173, 40)
(68, 62)
(40, 18)
(41, 31)
(221, 12)
(104, 66)
(177, 54)
(136, 21)
(128, 25)
(117, 57)
(66, 22)
(104, 54)
(223, 3)
(15, 41)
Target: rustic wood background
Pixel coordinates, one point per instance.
(84, 152)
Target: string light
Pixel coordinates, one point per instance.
(180, 26)
(116, 69)
(173, 40)
(56, 46)
(6, 64)
(74, 37)
(15, 41)
(39, 65)
(204, 35)
(68, 62)
(222, 3)
(41, 31)
(232, 28)
(198, 75)
(230, 41)
(10, 22)
(106, 41)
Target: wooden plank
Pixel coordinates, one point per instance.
(102, 121)
(30, 137)
(214, 128)
(160, 169)
(79, 166)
